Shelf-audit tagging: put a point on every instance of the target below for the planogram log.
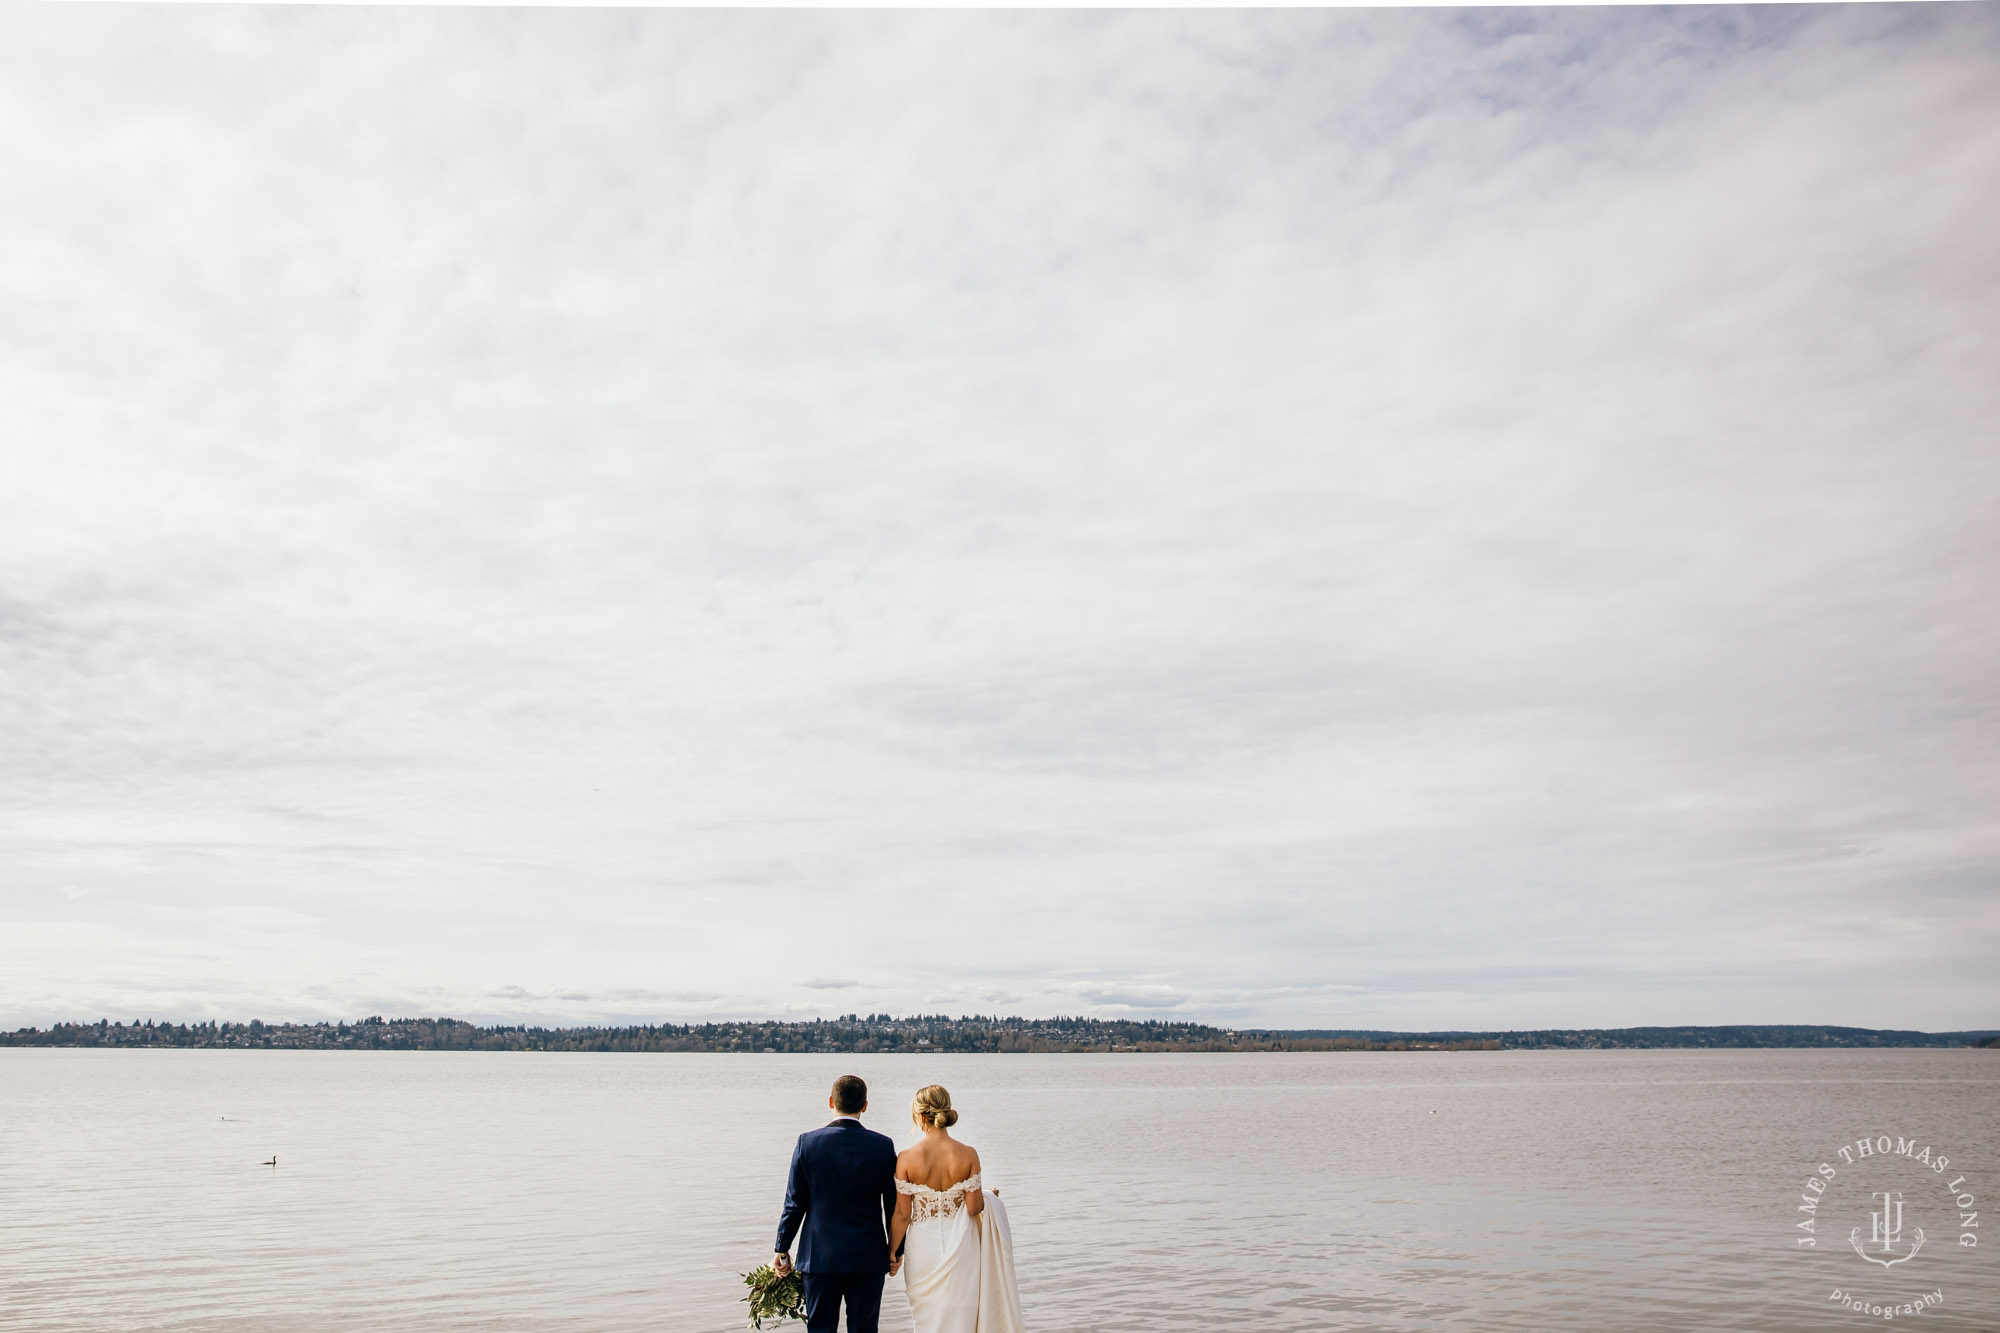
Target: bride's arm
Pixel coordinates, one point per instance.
(899, 1226)
(975, 1200)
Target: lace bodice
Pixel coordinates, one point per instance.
(927, 1204)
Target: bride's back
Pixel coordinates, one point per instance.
(938, 1163)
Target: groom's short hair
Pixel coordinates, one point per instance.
(850, 1094)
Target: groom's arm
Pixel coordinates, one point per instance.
(798, 1197)
(896, 1214)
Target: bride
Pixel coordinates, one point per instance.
(955, 1250)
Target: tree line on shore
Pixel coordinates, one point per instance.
(852, 1033)
(884, 1033)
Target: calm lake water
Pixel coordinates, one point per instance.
(1492, 1191)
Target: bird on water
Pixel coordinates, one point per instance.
(272, 1162)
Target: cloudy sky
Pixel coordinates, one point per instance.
(1413, 519)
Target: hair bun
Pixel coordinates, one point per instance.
(932, 1106)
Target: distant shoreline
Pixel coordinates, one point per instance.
(879, 1034)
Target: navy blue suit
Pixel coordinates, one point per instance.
(838, 1201)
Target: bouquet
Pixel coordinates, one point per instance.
(773, 1297)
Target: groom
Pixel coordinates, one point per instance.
(843, 1190)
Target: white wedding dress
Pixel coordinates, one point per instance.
(959, 1269)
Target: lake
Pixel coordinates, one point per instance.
(1592, 1191)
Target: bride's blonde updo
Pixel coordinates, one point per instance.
(931, 1107)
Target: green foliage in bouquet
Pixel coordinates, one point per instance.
(773, 1297)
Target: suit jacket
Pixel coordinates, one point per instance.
(838, 1200)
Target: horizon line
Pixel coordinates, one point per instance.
(988, 1019)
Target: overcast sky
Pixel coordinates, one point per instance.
(1384, 519)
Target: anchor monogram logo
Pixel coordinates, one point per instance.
(1886, 1232)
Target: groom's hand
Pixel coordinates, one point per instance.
(781, 1264)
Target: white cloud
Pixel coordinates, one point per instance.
(1368, 519)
